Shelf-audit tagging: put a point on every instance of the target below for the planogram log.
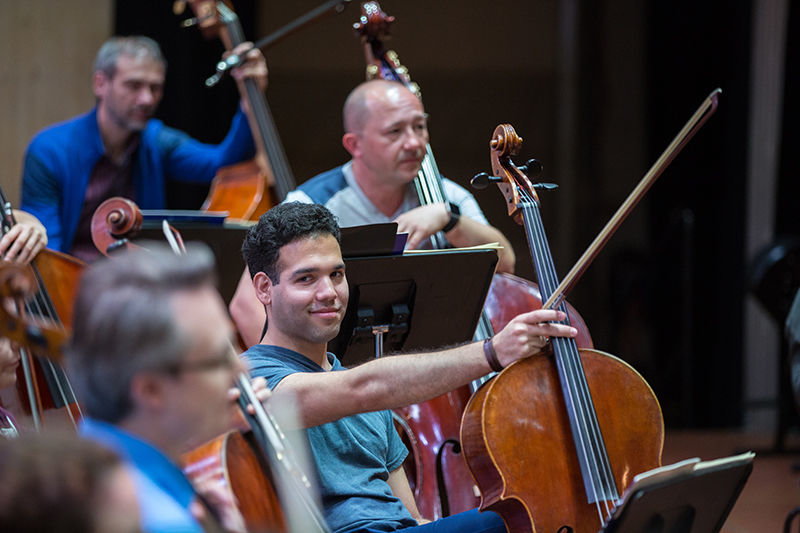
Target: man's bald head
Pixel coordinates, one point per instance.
(358, 106)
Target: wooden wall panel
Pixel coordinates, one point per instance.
(48, 50)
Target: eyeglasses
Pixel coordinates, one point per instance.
(225, 359)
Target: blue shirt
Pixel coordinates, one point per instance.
(353, 455)
(164, 492)
(60, 159)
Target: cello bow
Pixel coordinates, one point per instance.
(692, 126)
(551, 441)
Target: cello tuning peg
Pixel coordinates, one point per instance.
(545, 186)
(532, 168)
(482, 180)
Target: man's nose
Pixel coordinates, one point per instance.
(147, 96)
(325, 289)
(414, 140)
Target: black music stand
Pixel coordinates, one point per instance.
(413, 302)
(694, 498)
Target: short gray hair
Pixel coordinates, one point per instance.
(135, 46)
(123, 323)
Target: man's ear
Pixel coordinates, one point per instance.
(146, 391)
(350, 143)
(99, 83)
(263, 287)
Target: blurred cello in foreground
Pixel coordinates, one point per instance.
(254, 477)
(553, 441)
(435, 467)
(246, 190)
(43, 393)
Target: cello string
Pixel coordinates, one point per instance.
(580, 385)
(570, 378)
(538, 245)
(603, 481)
(42, 307)
(575, 377)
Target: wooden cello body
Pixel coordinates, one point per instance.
(43, 393)
(553, 440)
(517, 439)
(231, 465)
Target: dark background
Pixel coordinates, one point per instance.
(667, 293)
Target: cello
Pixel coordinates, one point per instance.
(246, 190)
(552, 440)
(43, 393)
(435, 467)
(254, 476)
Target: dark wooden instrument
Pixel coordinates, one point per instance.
(43, 391)
(552, 441)
(17, 283)
(248, 189)
(436, 469)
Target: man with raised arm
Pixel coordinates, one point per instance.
(118, 149)
(299, 277)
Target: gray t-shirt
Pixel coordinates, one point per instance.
(337, 190)
(353, 455)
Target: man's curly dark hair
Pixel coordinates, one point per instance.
(280, 226)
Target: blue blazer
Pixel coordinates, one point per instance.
(60, 159)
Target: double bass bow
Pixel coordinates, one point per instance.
(553, 441)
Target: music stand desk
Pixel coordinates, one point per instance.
(695, 499)
(443, 292)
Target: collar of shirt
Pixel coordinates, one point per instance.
(144, 457)
(410, 200)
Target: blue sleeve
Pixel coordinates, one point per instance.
(269, 368)
(396, 450)
(41, 196)
(190, 160)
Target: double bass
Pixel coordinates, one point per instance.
(436, 469)
(246, 190)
